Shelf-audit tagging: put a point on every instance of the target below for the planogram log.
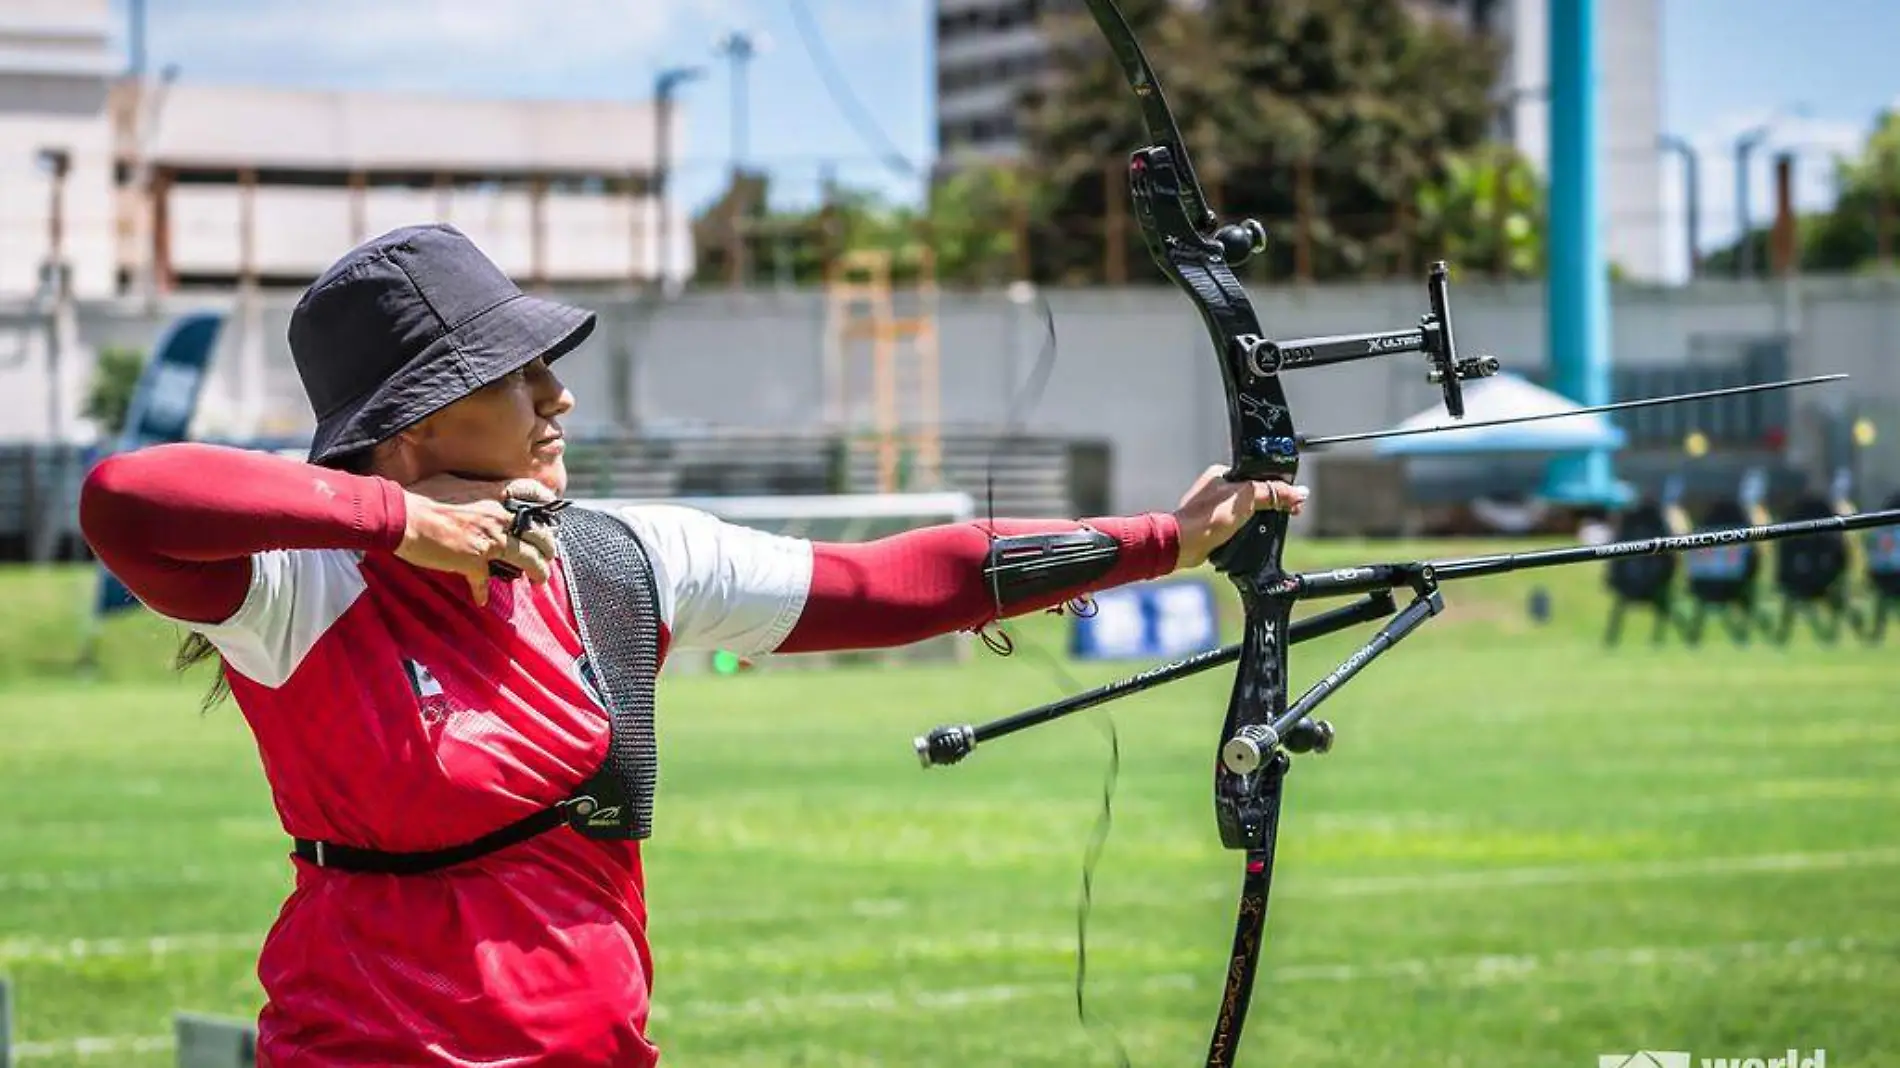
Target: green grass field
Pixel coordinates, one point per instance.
(1524, 850)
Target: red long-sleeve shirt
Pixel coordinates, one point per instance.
(392, 712)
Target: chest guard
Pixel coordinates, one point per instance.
(610, 582)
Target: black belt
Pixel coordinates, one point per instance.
(352, 858)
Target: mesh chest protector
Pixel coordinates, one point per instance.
(610, 582)
(616, 606)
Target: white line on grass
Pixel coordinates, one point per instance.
(1575, 874)
(1465, 970)
(99, 1046)
(1378, 885)
(100, 880)
(56, 951)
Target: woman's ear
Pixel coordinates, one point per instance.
(399, 458)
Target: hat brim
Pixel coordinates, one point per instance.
(478, 353)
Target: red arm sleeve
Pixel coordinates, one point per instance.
(178, 523)
(922, 583)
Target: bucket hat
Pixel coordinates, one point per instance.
(406, 324)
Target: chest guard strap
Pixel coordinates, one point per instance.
(617, 607)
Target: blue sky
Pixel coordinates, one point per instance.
(1727, 65)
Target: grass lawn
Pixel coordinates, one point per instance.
(1524, 850)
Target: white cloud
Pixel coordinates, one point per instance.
(1816, 142)
(850, 23)
(419, 43)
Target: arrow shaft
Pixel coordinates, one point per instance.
(1620, 406)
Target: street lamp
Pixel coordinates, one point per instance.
(665, 89)
(57, 163)
(1691, 196)
(739, 47)
(148, 107)
(1745, 146)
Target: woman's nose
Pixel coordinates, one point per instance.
(554, 397)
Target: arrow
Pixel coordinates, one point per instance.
(1620, 406)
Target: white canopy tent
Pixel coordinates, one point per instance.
(1506, 396)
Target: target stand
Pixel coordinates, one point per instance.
(1722, 579)
(1811, 574)
(1882, 548)
(1642, 583)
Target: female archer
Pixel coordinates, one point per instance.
(406, 702)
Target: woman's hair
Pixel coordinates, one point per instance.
(196, 648)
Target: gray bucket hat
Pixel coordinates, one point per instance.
(408, 323)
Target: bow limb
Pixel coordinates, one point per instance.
(1183, 238)
(1198, 258)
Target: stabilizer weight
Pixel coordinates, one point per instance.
(945, 745)
(1248, 749)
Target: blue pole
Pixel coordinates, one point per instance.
(1579, 289)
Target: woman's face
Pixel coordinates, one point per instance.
(506, 430)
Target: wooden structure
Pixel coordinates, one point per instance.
(881, 366)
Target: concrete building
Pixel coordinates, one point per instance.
(56, 71)
(132, 182)
(989, 50)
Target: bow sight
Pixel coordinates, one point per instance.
(1432, 336)
(1262, 727)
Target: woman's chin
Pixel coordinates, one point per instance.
(550, 472)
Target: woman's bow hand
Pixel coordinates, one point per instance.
(1215, 510)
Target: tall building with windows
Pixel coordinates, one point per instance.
(988, 51)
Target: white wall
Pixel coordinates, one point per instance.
(1132, 365)
(1629, 80)
(303, 230)
(231, 125)
(54, 66)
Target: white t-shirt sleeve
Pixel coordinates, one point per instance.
(295, 595)
(721, 585)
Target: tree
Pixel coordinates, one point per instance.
(115, 378)
(1077, 128)
(968, 222)
(1485, 212)
(1321, 119)
(1846, 237)
(973, 224)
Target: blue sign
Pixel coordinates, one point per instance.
(161, 411)
(1883, 551)
(1150, 620)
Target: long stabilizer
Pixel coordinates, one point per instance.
(1620, 406)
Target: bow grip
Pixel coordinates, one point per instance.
(1254, 549)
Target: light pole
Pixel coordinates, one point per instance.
(1691, 196)
(738, 47)
(147, 108)
(1745, 146)
(665, 88)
